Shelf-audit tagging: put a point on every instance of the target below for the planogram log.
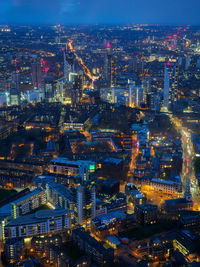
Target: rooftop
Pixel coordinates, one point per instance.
(71, 162)
(39, 216)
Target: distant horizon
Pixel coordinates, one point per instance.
(102, 24)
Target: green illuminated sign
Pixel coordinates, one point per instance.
(92, 167)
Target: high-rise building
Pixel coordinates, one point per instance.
(170, 85)
(108, 64)
(86, 203)
(67, 68)
(48, 90)
(36, 74)
(15, 94)
(77, 90)
(80, 203)
(135, 94)
(146, 85)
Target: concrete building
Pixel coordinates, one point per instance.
(39, 223)
(81, 168)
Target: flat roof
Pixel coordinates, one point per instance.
(113, 239)
(163, 181)
(67, 161)
(38, 216)
(61, 189)
(113, 160)
(111, 215)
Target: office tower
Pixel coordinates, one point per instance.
(80, 204)
(135, 94)
(108, 64)
(77, 89)
(67, 68)
(48, 90)
(15, 94)
(170, 85)
(146, 85)
(36, 74)
(131, 85)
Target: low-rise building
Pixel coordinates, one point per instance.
(107, 224)
(166, 186)
(92, 247)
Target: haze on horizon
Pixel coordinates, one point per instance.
(101, 11)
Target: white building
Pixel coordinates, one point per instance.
(81, 168)
(135, 94)
(169, 187)
(40, 223)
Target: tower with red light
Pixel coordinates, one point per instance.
(36, 74)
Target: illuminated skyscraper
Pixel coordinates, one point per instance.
(170, 85)
(67, 68)
(36, 74)
(146, 84)
(135, 94)
(15, 94)
(77, 90)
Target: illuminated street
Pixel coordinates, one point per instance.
(188, 172)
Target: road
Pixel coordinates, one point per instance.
(188, 172)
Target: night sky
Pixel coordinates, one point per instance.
(100, 11)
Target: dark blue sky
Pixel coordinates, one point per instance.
(100, 11)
